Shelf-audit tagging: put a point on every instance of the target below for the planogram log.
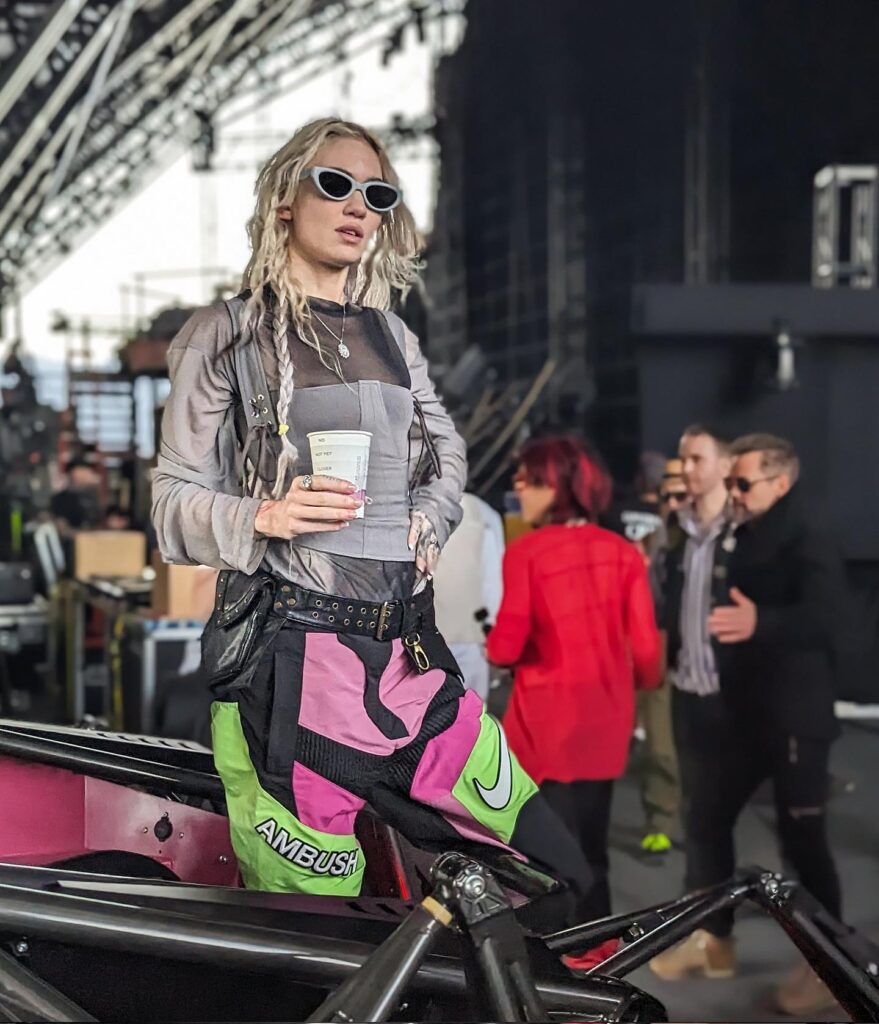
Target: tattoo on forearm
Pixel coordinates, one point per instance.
(427, 544)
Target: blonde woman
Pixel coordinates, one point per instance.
(333, 687)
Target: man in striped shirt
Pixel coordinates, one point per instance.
(693, 580)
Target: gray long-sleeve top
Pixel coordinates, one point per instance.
(200, 512)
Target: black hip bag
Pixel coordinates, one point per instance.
(244, 605)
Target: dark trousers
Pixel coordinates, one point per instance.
(584, 806)
(722, 762)
(660, 785)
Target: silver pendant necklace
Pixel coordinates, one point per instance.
(344, 351)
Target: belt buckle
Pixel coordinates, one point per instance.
(383, 617)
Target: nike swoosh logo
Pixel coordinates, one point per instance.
(499, 795)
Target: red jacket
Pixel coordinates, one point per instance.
(578, 624)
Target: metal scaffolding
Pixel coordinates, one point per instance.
(96, 96)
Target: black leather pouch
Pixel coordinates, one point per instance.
(240, 611)
(438, 653)
(427, 647)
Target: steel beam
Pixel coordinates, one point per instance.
(158, 127)
(122, 15)
(108, 765)
(42, 121)
(218, 35)
(29, 62)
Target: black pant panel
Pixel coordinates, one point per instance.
(584, 807)
(713, 792)
(543, 838)
(801, 789)
(722, 762)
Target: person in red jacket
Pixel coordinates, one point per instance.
(578, 626)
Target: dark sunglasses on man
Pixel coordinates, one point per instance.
(742, 484)
(379, 196)
(673, 497)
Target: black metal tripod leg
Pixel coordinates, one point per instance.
(527, 990)
(483, 911)
(638, 952)
(502, 957)
(502, 997)
(594, 933)
(375, 991)
(22, 992)
(823, 941)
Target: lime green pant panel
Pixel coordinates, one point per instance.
(493, 786)
(275, 850)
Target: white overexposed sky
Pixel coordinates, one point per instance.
(183, 221)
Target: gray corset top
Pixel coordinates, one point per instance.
(385, 410)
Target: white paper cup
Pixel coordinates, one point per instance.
(343, 454)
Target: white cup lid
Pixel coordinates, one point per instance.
(339, 433)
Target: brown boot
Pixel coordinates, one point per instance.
(803, 994)
(702, 953)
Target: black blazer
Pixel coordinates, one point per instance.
(783, 679)
(670, 574)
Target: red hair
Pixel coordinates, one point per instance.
(582, 486)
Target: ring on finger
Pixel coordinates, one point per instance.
(307, 482)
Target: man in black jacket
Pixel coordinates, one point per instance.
(776, 640)
(692, 573)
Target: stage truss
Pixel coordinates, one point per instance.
(96, 97)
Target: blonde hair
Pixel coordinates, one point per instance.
(391, 261)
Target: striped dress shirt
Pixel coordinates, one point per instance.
(696, 669)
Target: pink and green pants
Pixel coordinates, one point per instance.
(330, 722)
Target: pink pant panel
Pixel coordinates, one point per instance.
(322, 805)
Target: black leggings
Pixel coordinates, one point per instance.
(721, 765)
(584, 806)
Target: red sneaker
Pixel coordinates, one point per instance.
(591, 957)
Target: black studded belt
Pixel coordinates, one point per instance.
(386, 620)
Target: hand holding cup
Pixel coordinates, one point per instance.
(343, 454)
(327, 506)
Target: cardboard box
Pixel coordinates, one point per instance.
(183, 591)
(108, 553)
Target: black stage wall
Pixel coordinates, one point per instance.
(590, 148)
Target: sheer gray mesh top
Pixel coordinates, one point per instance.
(373, 352)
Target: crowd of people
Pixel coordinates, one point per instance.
(706, 607)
